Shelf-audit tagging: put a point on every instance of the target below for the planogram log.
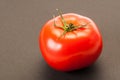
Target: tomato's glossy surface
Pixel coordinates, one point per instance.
(73, 50)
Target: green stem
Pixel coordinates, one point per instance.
(67, 27)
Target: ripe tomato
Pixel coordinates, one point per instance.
(70, 42)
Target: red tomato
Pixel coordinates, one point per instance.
(70, 42)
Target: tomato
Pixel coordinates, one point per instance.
(70, 42)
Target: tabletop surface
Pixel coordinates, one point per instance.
(20, 24)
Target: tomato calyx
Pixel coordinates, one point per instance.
(67, 27)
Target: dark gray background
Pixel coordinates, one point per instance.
(21, 21)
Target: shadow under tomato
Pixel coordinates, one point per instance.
(89, 73)
(92, 72)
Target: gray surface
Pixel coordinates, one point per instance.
(20, 23)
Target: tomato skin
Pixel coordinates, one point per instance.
(73, 50)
